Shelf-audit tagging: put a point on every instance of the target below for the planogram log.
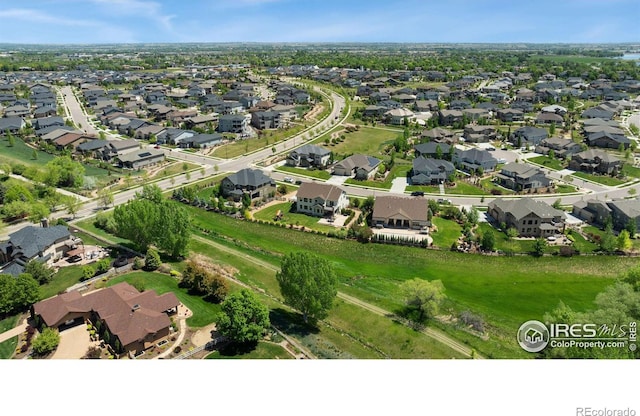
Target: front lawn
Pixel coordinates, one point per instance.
(547, 162)
(601, 179)
(629, 170)
(262, 351)
(313, 173)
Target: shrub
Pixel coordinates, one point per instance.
(152, 260)
(174, 273)
(46, 342)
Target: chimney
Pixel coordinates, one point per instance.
(45, 222)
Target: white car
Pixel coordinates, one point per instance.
(288, 180)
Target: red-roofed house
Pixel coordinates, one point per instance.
(128, 320)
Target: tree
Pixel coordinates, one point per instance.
(488, 241)
(72, 205)
(422, 297)
(105, 197)
(243, 319)
(47, 341)
(64, 172)
(539, 246)
(151, 193)
(39, 271)
(512, 233)
(557, 204)
(631, 227)
(308, 284)
(624, 241)
(608, 241)
(202, 277)
(152, 259)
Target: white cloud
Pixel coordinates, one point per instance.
(143, 9)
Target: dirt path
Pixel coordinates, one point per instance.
(431, 332)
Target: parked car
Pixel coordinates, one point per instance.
(288, 180)
(417, 193)
(444, 201)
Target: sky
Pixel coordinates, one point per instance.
(419, 21)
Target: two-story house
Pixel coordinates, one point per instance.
(532, 218)
(428, 171)
(320, 200)
(523, 178)
(309, 155)
(250, 181)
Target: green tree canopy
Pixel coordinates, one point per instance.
(308, 284)
(17, 293)
(243, 319)
(39, 271)
(64, 172)
(422, 297)
(47, 341)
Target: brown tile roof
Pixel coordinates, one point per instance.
(129, 314)
(70, 138)
(393, 206)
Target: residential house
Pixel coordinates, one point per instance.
(201, 141)
(549, 118)
(596, 161)
(71, 140)
(117, 148)
(609, 140)
(11, 124)
(450, 117)
(475, 114)
(561, 147)
(250, 181)
(309, 155)
(528, 136)
(439, 134)
(523, 178)
(598, 113)
(140, 158)
(400, 212)
(149, 131)
(134, 321)
(204, 121)
(233, 123)
(625, 210)
(474, 133)
(361, 166)
(428, 171)
(172, 135)
(432, 149)
(397, 116)
(44, 244)
(472, 160)
(620, 211)
(530, 217)
(320, 199)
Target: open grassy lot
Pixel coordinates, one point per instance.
(565, 189)
(506, 290)
(319, 174)
(291, 218)
(269, 138)
(547, 162)
(604, 180)
(22, 153)
(447, 232)
(365, 140)
(262, 351)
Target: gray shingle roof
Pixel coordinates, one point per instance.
(31, 240)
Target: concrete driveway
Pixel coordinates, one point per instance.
(74, 343)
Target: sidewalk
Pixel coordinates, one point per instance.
(15, 331)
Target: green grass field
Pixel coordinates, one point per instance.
(547, 162)
(365, 140)
(262, 351)
(604, 180)
(288, 217)
(630, 170)
(503, 289)
(319, 174)
(447, 234)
